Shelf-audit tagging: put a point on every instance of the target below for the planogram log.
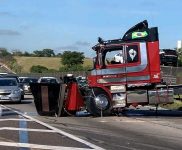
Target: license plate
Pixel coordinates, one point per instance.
(5, 97)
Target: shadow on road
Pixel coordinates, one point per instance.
(7, 112)
(25, 101)
(143, 113)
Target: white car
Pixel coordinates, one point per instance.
(48, 80)
(10, 90)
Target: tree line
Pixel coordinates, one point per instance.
(8, 59)
(70, 60)
(37, 53)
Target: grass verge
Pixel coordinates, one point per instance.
(177, 105)
(50, 62)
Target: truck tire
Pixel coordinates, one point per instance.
(98, 103)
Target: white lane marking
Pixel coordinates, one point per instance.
(13, 119)
(23, 135)
(36, 146)
(26, 129)
(58, 130)
(124, 120)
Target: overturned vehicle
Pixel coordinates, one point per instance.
(126, 72)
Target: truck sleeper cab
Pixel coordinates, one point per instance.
(127, 72)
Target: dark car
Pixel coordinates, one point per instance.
(168, 57)
(18, 81)
(25, 81)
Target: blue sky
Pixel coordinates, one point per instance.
(29, 25)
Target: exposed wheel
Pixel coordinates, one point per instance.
(98, 103)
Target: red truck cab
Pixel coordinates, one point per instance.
(123, 68)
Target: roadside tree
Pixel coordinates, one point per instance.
(38, 53)
(70, 59)
(17, 53)
(48, 52)
(179, 57)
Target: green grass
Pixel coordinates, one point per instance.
(50, 62)
(177, 105)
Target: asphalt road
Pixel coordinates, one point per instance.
(136, 129)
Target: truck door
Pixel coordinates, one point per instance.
(137, 72)
(136, 62)
(115, 65)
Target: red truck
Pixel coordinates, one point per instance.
(134, 80)
(126, 72)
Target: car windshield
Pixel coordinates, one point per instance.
(48, 80)
(29, 80)
(13, 77)
(8, 83)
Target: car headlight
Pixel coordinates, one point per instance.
(16, 91)
(25, 86)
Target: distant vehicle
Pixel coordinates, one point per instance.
(10, 90)
(25, 81)
(168, 57)
(14, 76)
(48, 80)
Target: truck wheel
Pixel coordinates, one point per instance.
(98, 103)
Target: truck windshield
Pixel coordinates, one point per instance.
(115, 56)
(126, 54)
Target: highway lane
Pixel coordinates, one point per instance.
(139, 129)
(18, 130)
(123, 132)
